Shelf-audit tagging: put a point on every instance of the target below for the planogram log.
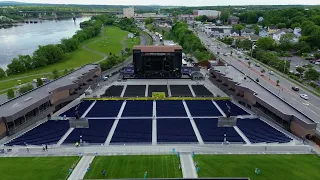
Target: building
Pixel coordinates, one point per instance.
(128, 12)
(297, 32)
(272, 29)
(186, 17)
(212, 14)
(233, 20)
(246, 32)
(261, 101)
(260, 19)
(157, 61)
(263, 33)
(42, 102)
(253, 38)
(277, 35)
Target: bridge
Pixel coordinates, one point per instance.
(93, 12)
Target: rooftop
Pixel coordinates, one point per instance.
(262, 93)
(157, 48)
(25, 100)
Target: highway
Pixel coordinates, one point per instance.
(311, 107)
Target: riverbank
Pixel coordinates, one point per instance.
(90, 51)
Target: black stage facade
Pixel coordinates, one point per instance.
(157, 61)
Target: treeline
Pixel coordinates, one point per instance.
(190, 43)
(54, 53)
(127, 24)
(272, 60)
(113, 59)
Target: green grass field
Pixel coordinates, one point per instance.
(273, 167)
(111, 42)
(166, 166)
(28, 168)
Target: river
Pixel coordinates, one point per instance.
(25, 39)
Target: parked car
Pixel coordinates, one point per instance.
(106, 77)
(295, 88)
(304, 96)
(225, 54)
(247, 58)
(271, 72)
(257, 64)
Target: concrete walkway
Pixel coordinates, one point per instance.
(187, 166)
(80, 170)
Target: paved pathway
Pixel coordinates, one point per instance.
(187, 166)
(80, 170)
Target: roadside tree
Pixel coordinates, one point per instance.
(2, 73)
(39, 82)
(312, 74)
(10, 93)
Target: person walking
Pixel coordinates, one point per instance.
(104, 172)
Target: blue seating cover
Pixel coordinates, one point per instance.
(49, 132)
(138, 109)
(235, 110)
(166, 108)
(211, 133)
(175, 130)
(81, 109)
(133, 131)
(202, 108)
(96, 133)
(105, 109)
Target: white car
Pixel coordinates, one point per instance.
(271, 72)
(304, 96)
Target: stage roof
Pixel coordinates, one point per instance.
(156, 49)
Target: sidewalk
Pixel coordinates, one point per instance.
(187, 166)
(80, 170)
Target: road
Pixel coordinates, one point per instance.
(310, 108)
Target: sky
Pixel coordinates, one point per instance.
(176, 2)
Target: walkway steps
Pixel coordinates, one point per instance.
(187, 165)
(80, 170)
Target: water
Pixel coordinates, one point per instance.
(26, 39)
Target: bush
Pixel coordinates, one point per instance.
(10, 93)
(39, 82)
(25, 88)
(295, 78)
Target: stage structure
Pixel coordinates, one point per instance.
(157, 61)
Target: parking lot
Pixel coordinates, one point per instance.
(298, 61)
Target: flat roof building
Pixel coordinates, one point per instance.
(41, 102)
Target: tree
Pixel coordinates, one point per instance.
(70, 44)
(25, 88)
(2, 73)
(314, 37)
(224, 16)
(245, 44)
(281, 25)
(202, 18)
(278, 82)
(55, 74)
(263, 71)
(10, 93)
(307, 28)
(312, 74)
(148, 20)
(238, 27)
(300, 70)
(249, 63)
(286, 41)
(65, 71)
(39, 82)
(265, 43)
(15, 67)
(316, 19)
(51, 52)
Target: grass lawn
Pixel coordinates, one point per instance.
(111, 42)
(19, 168)
(273, 167)
(166, 166)
(131, 42)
